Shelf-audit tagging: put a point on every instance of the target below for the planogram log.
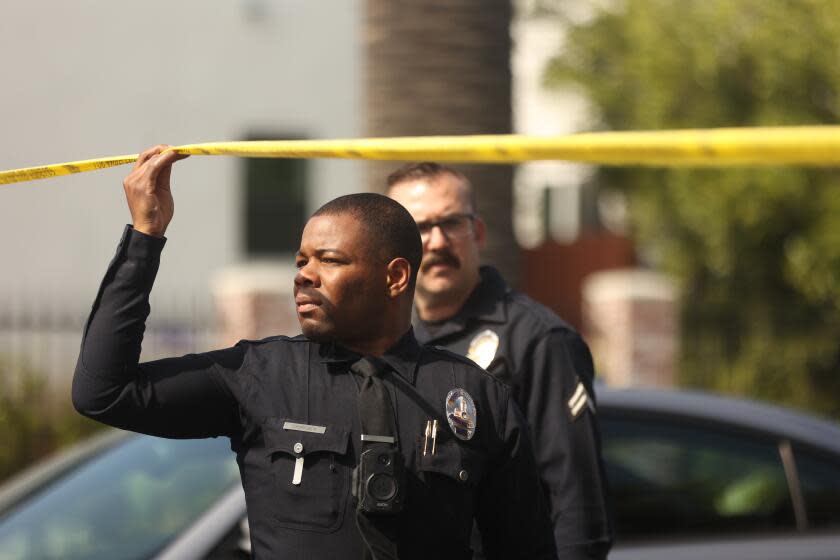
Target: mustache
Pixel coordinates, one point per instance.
(443, 257)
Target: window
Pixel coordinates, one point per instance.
(679, 480)
(275, 203)
(819, 478)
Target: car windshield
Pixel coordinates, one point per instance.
(127, 502)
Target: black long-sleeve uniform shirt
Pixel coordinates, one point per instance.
(257, 391)
(549, 368)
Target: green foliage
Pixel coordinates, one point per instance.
(33, 422)
(757, 251)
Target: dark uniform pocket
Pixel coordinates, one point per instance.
(447, 486)
(315, 498)
(452, 459)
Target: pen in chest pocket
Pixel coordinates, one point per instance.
(297, 475)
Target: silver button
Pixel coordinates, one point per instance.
(463, 475)
(298, 447)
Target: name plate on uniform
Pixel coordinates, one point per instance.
(304, 428)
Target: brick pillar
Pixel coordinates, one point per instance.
(631, 323)
(255, 301)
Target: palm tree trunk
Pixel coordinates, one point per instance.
(443, 67)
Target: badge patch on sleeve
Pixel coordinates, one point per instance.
(580, 401)
(483, 348)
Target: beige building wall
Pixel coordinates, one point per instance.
(94, 78)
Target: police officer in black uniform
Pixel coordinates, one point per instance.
(470, 310)
(352, 440)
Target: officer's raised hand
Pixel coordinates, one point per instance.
(148, 192)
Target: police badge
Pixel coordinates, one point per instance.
(460, 414)
(483, 348)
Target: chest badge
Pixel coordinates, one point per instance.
(460, 414)
(483, 348)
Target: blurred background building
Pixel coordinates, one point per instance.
(91, 80)
(96, 78)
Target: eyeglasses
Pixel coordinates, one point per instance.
(452, 226)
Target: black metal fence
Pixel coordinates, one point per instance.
(41, 335)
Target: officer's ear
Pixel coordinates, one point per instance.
(399, 276)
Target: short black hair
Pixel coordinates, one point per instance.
(391, 228)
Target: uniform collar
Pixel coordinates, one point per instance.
(402, 356)
(486, 304)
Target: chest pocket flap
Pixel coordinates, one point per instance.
(286, 436)
(311, 469)
(456, 461)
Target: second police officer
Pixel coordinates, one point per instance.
(470, 310)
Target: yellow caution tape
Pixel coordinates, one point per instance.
(801, 145)
(56, 169)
